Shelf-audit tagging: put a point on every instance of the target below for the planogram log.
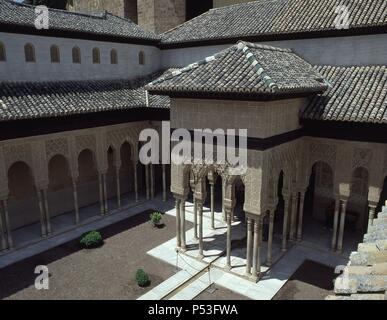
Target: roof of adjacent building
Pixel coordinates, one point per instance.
(356, 94)
(29, 100)
(244, 69)
(104, 24)
(267, 18)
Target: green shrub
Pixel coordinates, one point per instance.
(156, 217)
(142, 278)
(92, 239)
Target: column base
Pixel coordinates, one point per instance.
(200, 257)
(268, 263)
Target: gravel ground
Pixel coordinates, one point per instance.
(103, 273)
(220, 294)
(311, 281)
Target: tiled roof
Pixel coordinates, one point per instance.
(52, 99)
(276, 17)
(245, 69)
(357, 94)
(106, 24)
(365, 277)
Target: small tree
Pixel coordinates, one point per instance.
(142, 278)
(92, 239)
(155, 218)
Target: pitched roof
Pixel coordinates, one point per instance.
(244, 69)
(104, 24)
(275, 18)
(357, 94)
(52, 99)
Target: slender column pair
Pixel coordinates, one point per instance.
(135, 165)
(335, 223)
(293, 220)
(5, 227)
(118, 186)
(44, 212)
(164, 183)
(371, 216)
(228, 212)
(152, 181)
(300, 215)
(285, 222)
(76, 205)
(201, 243)
(342, 225)
(212, 187)
(253, 257)
(195, 212)
(269, 259)
(147, 181)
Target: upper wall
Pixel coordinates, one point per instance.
(339, 51)
(15, 68)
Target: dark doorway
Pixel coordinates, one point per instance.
(195, 8)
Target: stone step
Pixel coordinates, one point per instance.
(380, 221)
(381, 244)
(374, 236)
(368, 258)
(351, 284)
(367, 247)
(365, 296)
(191, 291)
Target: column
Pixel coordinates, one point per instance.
(335, 223)
(249, 246)
(371, 216)
(135, 181)
(293, 220)
(164, 183)
(212, 187)
(182, 219)
(47, 213)
(342, 226)
(223, 193)
(257, 248)
(105, 193)
(178, 223)
(228, 250)
(152, 181)
(270, 239)
(76, 206)
(200, 212)
(101, 194)
(300, 215)
(2, 232)
(7, 224)
(285, 225)
(118, 187)
(195, 211)
(42, 219)
(147, 181)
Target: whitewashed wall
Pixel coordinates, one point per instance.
(16, 69)
(343, 51)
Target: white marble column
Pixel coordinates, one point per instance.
(228, 249)
(249, 246)
(2, 231)
(42, 218)
(164, 183)
(102, 207)
(201, 245)
(135, 181)
(335, 223)
(269, 260)
(118, 187)
(182, 219)
(76, 206)
(106, 208)
(342, 225)
(46, 211)
(223, 194)
(293, 221)
(152, 181)
(195, 212)
(371, 216)
(285, 224)
(256, 271)
(212, 188)
(147, 181)
(178, 223)
(7, 224)
(300, 215)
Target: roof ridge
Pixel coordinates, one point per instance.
(243, 4)
(244, 47)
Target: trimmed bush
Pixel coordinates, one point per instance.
(92, 239)
(142, 278)
(155, 218)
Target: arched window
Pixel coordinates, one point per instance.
(76, 55)
(29, 52)
(96, 56)
(55, 55)
(113, 56)
(141, 58)
(3, 56)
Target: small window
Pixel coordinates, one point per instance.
(141, 58)
(55, 55)
(113, 57)
(96, 56)
(3, 56)
(29, 52)
(76, 55)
